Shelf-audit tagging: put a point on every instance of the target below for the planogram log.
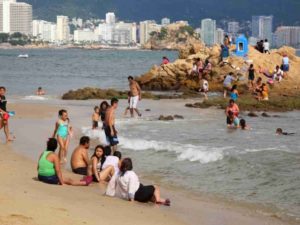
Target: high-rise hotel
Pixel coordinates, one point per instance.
(15, 17)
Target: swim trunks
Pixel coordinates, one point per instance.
(80, 170)
(113, 140)
(49, 179)
(144, 193)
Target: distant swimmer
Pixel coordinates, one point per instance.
(80, 157)
(95, 117)
(109, 125)
(63, 132)
(135, 96)
(279, 131)
(49, 167)
(40, 91)
(165, 60)
(4, 114)
(243, 125)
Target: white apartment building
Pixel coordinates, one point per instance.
(288, 35)
(85, 35)
(220, 36)
(146, 28)
(208, 31)
(15, 17)
(110, 18)
(233, 27)
(62, 29)
(44, 30)
(165, 21)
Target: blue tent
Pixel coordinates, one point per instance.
(242, 48)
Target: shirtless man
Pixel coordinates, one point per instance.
(80, 157)
(135, 96)
(109, 128)
(4, 116)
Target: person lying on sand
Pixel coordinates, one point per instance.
(279, 131)
(49, 167)
(80, 157)
(126, 185)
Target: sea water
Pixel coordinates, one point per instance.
(198, 154)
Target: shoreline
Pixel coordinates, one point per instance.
(187, 206)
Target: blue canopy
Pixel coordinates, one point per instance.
(242, 48)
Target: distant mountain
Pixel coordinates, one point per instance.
(284, 11)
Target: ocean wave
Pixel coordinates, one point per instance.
(35, 97)
(95, 134)
(193, 153)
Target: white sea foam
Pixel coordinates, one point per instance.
(35, 97)
(95, 134)
(193, 153)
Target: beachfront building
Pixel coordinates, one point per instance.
(287, 35)
(262, 27)
(219, 36)
(165, 21)
(233, 28)
(208, 31)
(15, 17)
(62, 29)
(44, 30)
(110, 18)
(85, 35)
(146, 28)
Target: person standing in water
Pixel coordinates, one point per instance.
(109, 125)
(63, 131)
(95, 118)
(135, 96)
(4, 116)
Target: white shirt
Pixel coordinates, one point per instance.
(111, 161)
(124, 186)
(285, 60)
(278, 72)
(205, 85)
(228, 80)
(266, 46)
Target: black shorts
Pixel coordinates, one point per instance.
(144, 193)
(80, 170)
(251, 78)
(113, 140)
(49, 180)
(95, 124)
(228, 121)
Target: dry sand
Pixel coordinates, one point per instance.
(24, 200)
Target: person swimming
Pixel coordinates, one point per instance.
(243, 125)
(279, 131)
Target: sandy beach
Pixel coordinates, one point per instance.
(24, 200)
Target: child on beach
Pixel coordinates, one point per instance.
(205, 87)
(234, 94)
(126, 185)
(243, 125)
(233, 121)
(251, 77)
(95, 118)
(263, 93)
(4, 115)
(63, 132)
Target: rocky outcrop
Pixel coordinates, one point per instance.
(166, 118)
(175, 76)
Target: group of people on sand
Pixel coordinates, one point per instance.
(263, 46)
(106, 163)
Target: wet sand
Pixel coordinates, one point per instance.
(24, 200)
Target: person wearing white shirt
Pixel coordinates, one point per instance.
(126, 185)
(266, 46)
(112, 160)
(278, 74)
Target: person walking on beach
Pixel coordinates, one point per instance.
(126, 185)
(63, 132)
(135, 96)
(109, 125)
(80, 157)
(4, 116)
(49, 167)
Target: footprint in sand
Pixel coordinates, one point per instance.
(16, 219)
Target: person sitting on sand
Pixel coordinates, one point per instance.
(113, 160)
(232, 107)
(49, 167)
(232, 120)
(243, 125)
(126, 185)
(278, 74)
(263, 93)
(103, 107)
(80, 157)
(165, 61)
(234, 94)
(227, 83)
(279, 131)
(96, 169)
(4, 116)
(257, 85)
(95, 117)
(63, 132)
(40, 91)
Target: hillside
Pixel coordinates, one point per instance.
(284, 11)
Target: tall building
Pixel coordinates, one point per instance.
(165, 21)
(287, 35)
(110, 18)
(219, 36)
(233, 27)
(62, 29)
(85, 35)
(208, 31)
(262, 27)
(146, 28)
(44, 30)
(15, 17)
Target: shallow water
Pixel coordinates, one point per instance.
(198, 154)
